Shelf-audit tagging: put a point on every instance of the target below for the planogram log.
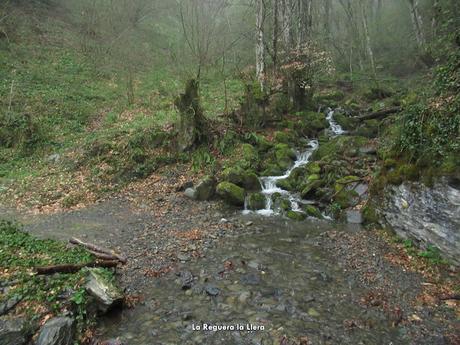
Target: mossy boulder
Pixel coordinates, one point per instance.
(256, 201)
(231, 193)
(259, 142)
(313, 168)
(295, 215)
(309, 189)
(249, 158)
(272, 170)
(284, 155)
(312, 123)
(312, 211)
(346, 180)
(206, 188)
(242, 178)
(337, 146)
(346, 197)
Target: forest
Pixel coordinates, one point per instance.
(282, 172)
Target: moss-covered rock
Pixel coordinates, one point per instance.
(294, 215)
(242, 178)
(272, 170)
(346, 198)
(313, 168)
(231, 193)
(370, 215)
(346, 180)
(206, 188)
(337, 146)
(312, 211)
(284, 155)
(256, 201)
(328, 97)
(309, 189)
(312, 123)
(249, 158)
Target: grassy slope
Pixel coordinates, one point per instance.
(54, 101)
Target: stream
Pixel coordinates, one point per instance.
(269, 183)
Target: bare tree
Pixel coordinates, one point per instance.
(260, 45)
(417, 23)
(367, 36)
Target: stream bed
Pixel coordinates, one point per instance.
(275, 280)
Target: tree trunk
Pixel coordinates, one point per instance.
(327, 19)
(367, 36)
(260, 47)
(417, 23)
(275, 34)
(287, 23)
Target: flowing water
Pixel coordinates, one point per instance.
(269, 183)
(276, 281)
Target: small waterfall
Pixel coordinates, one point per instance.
(269, 183)
(335, 127)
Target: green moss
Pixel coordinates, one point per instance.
(345, 198)
(256, 201)
(347, 180)
(242, 178)
(294, 215)
(311, 123)
(231, 193)
(284, 156)
(370, 215)
(284, 137)
(313, 168)
(312, 211)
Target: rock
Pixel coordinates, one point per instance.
(211, 290)
(104, 291)
(57, 331)
(295, 215)
(54, 158)
(231, 193)
(256, 201)
(368, 150)
(184, 186)
(284, 155)
(183, 257)
(14, 331)
(313, 168)
(112, 342)
(310, 188)
(206, 188)
(354, 217)
(191, 193)
(242, 178)
(312, 211)
(244, 297)
(250, 279)
(186, 278)
(9, 304)
(431, 215)
(313, 313)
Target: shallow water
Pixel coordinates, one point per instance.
(278, 277)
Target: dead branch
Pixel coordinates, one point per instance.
(381, 114)
(73, 268)
(99, 252)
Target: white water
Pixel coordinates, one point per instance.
(335, 127)
(269, 183)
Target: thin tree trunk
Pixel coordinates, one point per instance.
(367, 36)
(275, 34)
(417, 23)
(260, 47)
(287, 24)
(327, 19)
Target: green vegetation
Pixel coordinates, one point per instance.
(40, 295)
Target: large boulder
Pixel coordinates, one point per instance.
(284, 155)
(103, 290)
(231, 193)
(206, 188)
(256, 201)
(428, 214)
(242, 178)
(14, 331)
(57, 331)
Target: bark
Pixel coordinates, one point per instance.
(275, 34)
(73, 268)
(100, 252)
(327, 19)
(367, 36)
(260, 46)
(287, 23)
(417, 23)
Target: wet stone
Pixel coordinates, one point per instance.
(186, 279)
(250, 279)
(14, 331)
(211, 290)
(57, 331)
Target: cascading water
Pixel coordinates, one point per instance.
(269, 183)
(335, 127)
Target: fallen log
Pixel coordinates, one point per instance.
(99, 252)
(379, 114)
(73, 268)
